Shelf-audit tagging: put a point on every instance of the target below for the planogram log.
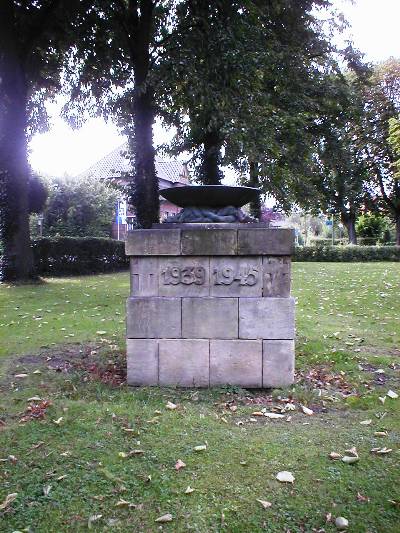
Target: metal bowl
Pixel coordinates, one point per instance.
(210, 195)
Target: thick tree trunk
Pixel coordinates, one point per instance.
(144, 191)
(146, 201)
(210, 172)
(17, 256)
(349, 221)
(255, 205)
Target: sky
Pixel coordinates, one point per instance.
(374, 31)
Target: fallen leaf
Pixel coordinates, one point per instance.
(58, 421)
(189, 490)
(179, 464)
(382, 399)
(165, 518)
(341, 522)
(350, 459)
(265, 504)
(380, 434)
(135, 452)
(381, 451)
(285, 477)
(306, 410)
(352, 451)
(392, 394)
(366, 422)
(9, 499)
(171, 406)
(334, 456)
(93, 518)
(361, 498)
(200, 448)
(257, 413)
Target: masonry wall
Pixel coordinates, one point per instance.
(210, 306)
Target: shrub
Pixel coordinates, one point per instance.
(347, 253)
(56, 256)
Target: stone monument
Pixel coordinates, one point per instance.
(210, 303)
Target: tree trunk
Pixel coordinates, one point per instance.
(349, 221)
(146, 200)
(17, 257)
(210, 172)
(397, 226)
(255, 205)
(145, 190)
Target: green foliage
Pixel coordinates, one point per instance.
(79, 207)
(255, 74)
(347, 254)
(37, 194)
(60, 256)
(372, 225)
(394, 141)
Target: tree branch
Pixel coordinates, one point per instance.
(36, 31)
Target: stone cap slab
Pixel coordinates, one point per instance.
(210, 239)
(278, 241)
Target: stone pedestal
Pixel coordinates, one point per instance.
(210, 305)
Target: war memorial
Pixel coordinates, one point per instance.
(210, 301)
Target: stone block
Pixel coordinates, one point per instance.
(184, 362)
(236, 276)
(142, 362)
(153, 242)
(184, 276)
(266, 318)
(209, 318)
(274, 241)
(278, 363)
(276, 272)
(144, 276)
(236, 362)
(209, 242)
(153, 317)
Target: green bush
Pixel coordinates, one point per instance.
(347, 253)
(59, 256)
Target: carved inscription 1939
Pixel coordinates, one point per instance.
(173, 275)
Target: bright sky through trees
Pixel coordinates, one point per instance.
(374, 28)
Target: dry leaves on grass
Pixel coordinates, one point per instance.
(179, 464)
(35, 411)
(9, 499)
(165, 518)
(285, 477)
(265, 504)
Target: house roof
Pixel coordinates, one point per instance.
(116, 163)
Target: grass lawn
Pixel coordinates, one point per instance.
(82, 451)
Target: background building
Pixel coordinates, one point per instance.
(116, 166)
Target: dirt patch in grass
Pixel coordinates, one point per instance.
(381, 352)
(96, 361)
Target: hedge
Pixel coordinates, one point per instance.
(59, 256)
(347, 253)
(361, 241)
